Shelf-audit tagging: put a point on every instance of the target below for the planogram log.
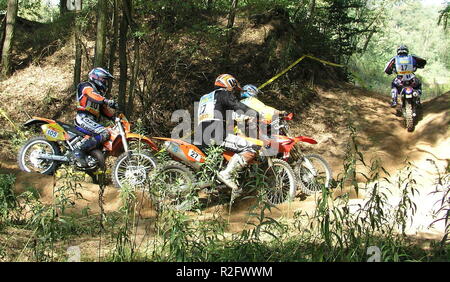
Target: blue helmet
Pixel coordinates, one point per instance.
(100, 78)
(249, 90)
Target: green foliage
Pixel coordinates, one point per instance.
(444, 15)
(34, 10)
(8, 201)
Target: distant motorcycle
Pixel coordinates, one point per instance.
(44, 154)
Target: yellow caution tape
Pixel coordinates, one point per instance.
(294, 64)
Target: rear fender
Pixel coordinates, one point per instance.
(184, 151)
(38, 121)
(51, 129)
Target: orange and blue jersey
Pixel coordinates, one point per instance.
(90, 101)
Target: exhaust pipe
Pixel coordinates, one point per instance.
(54, 157)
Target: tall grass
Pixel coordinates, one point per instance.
(338, 229)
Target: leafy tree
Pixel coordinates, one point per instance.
(444, 15)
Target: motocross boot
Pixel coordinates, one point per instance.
(79, 156)
(226, 176)
(394, 94)
(394, 103)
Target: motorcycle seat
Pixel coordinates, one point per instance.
(71, 128)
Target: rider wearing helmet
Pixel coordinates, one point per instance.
(211, 121)
(91, 105)
(249, 96)
(404, 65)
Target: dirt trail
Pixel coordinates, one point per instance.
(380, 132)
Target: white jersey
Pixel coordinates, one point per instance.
(404, 66)
(206, 107)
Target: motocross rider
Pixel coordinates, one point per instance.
(211, 123)
(249, 95)
(91, 105)
(404, 65)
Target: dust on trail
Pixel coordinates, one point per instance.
(380, 134)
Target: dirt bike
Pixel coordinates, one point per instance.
(44, 154)
(179, 174)
(312, 171)
(411, 106)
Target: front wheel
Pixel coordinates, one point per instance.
(132, 168)
(28, 157)
(281, 184)
(313, 174)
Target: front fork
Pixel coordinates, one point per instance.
(124, 138)
(307, 163)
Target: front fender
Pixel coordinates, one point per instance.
(305, 139)
(138, 137)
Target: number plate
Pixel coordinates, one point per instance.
(193, 154)
(52, 133)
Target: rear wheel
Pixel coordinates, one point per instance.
(173, 187)
(28, 157)
(313, 174)
(133, 168)
(281, 184)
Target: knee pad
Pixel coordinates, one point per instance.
(102, 136)
(247, 156)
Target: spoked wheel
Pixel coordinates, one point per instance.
(29, 156)
(313, 173)
(281, 184)
(133, 168)
(173, 187)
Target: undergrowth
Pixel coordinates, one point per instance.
(339, 229)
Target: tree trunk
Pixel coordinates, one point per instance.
(112, 52)
(312, 9)
(102, 9)
(123, 64)
(62, 7)
(77, 66)
(136, 66)
(2, 33)
(11, 16)
(366, 44)
(232, 14)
